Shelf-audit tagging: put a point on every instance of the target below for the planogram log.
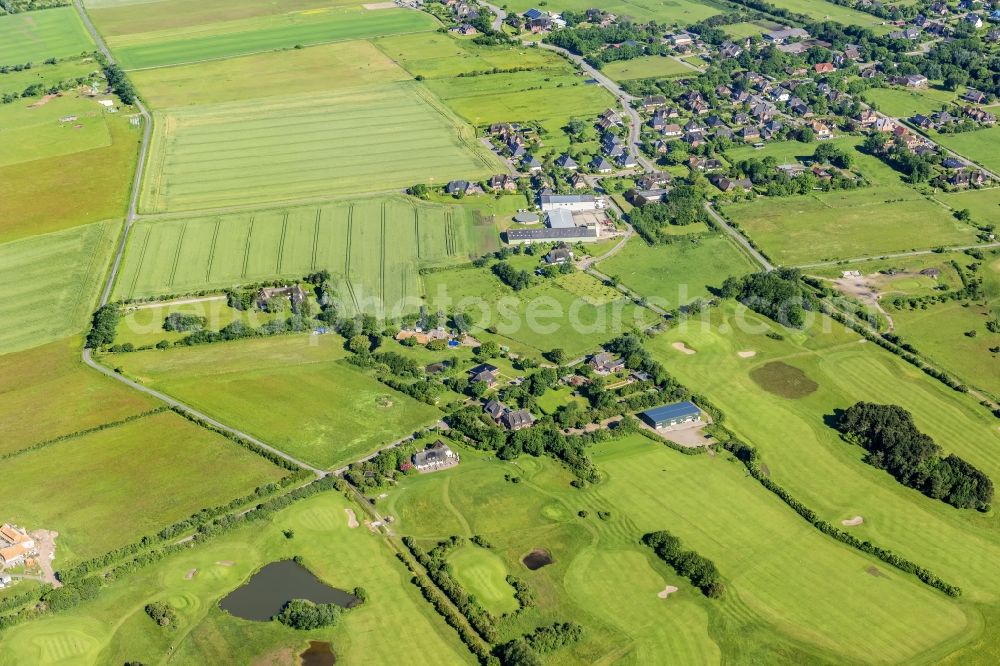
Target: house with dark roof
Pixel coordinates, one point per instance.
(727, 184)
(517, 419)
(566, 162)
(438, 456)
(463, 187)
(604, 363)
(560, 254)
(494, 409)
(485, 373)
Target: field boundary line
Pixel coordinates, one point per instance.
(142, 260)
(211, 252)
(246, 250)
(462, 128)
(177, 254)
(281, 243)
(347, 257)
(381, 259)
(81, 292)
(315, 248)
(416, 230)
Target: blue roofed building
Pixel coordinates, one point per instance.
(671, 415)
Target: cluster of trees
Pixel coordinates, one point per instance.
(439, 572)
(522, 592)
(18, 6)
(895, 444)
(764, 173)
(698, 569)
(512, 277)
(183, 323)
(526, 651)
(915, 168)
(777, 294)
(829, 152)
(161, 613)
(118, 80)
(304, 615)
(684, 206)
(103, 326)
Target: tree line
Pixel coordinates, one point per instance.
(698, 569)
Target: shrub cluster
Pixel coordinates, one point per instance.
(161, 613)
(698, 569)
(305, 615)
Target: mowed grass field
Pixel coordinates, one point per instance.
(978, 146)
(646, 67)
(125, 474)
(61, 395)
(67, 190)
(34, 129)
(676, 274)
(819, 10)
(903, 103)
(984, 205)
(484, 574)
(36, 36)
(47, 75)
(665, 11)
(374, 247)
(363, 139)
(296, 393)
(243, 36)
(886, 216)
(49, 283)
(114, 628)
(791, 598)
(811, 461)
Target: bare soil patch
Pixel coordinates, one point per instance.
(783, 380)
(683, 348)
(43, 101)
(667, 591)
(45, 542)
(746, 354)
(352, 520)
(875, 571)
(226, 563)
(852, 522)
(190, 574)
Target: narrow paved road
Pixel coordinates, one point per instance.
(897, 255)
(739, 238)
(89, 360)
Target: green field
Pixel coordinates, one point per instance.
(294, 392)
(64, 191)
(978, 146)
(36, 36)
(47, 75)
(749, 28)
(555, 312)
(37, 132)
(374, 248)
(903, 103)
(144, 324)
(125, 473)
(885, 216)
(683, 12)
(827, 11)
(65, 270)
(299, 71)
(646, 67)
(115, 629)
(483, 574)
(61, 394)
(804, 454)
(243, 36)
(984, 205)
(385, 137)
(676, 274)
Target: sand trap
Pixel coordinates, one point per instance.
(681, 347)
(352, 520)
(226, 563)
(852, 522)
(746, 354)
(190, 574)
(667, 591)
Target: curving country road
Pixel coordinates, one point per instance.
(739, 238)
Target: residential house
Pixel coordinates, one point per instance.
(517, 419)
(494, 409)
(434, 458)
(979, 115)
(672, 130)
(973, 20)
(727, 184)
(566, 162)
(600, 165)
(824, 68)
(604, 363)
(974, 96)
(578, 182)
(654, 180)
(784, 35)
(821, 129)
(910, 34)
(639, 197)
(295, 294)
(485, 373)
(791, 170)
(652, 102)
(502, 182)
(560, 254)
(913, 81)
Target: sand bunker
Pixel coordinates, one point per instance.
(352, 520)
(190, 574)
(667, 591)
(746, 354)
(681, 347)
(852, 522)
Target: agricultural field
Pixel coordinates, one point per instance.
(257, 34)
(39, 128)
(143, 324)
(550, 92)
(65, 270)
(363, 139)
(984, 205)
(53, 193)
(36, 36)
(602, 578)
(47, 75)
(978, 146)
(573, 312)
(828, 11)
(295, 392)
(886, 216)
(749, 28)
(374, 248)
(115, 629)
(127, 470)
(678, 273)
(784, 412)
(646, 67)
(680, 12)
(903, 103)
(51, 383)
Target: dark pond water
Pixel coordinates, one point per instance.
(320, 653)
(537, 559)
(268, 590)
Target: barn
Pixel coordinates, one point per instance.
(671, 415)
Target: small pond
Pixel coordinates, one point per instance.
(319, 653)
(537, 559)
(268, 590)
